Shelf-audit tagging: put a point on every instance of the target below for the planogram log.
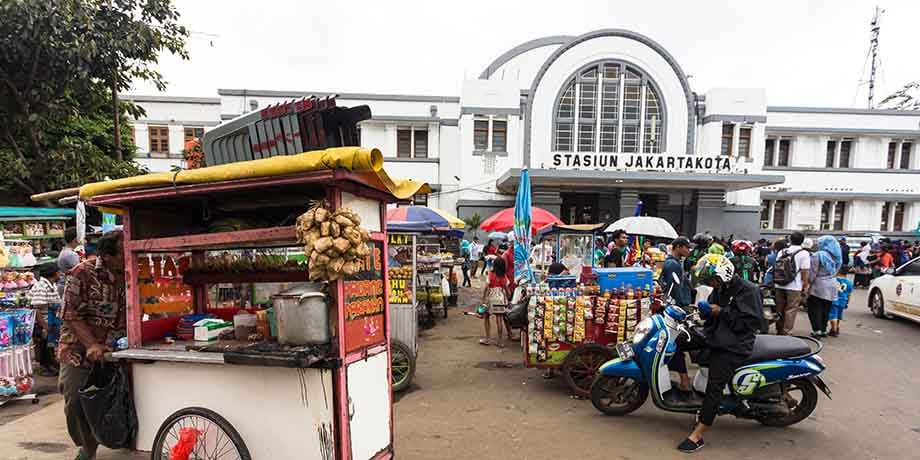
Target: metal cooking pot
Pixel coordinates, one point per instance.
(302, 315)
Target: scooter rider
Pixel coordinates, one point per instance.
(733, 315)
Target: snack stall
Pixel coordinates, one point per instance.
(317, 365)
(16, 349)
(573, 327)
(33, 230)
(403, 311)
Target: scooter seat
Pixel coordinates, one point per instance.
(768, 347)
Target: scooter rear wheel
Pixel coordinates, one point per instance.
(802, 398)
(617, 395)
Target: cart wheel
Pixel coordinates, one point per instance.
(402, 362)
(580, 367)
(217, 439)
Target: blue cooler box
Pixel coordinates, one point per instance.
(616, 278)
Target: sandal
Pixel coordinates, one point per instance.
(484, 342)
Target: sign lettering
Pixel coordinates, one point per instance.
(364, 302)
(645, 162)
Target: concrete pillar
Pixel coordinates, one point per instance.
(628, 200)
(549, 200)
(710, 205)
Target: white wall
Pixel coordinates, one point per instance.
(522, 68)
(843, 120)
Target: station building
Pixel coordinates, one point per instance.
(605, 120)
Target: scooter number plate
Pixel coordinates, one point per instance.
(625, 351)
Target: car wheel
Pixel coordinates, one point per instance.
(877, 304)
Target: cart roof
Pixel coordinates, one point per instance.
(21, 213)
(577, 228)
(355, 164)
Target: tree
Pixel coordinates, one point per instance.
(906, 98)
(472, 222)
(61, 65)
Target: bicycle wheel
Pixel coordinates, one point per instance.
(217, 439)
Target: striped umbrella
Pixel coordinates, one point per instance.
(421, 218)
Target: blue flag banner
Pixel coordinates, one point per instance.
(522, 229)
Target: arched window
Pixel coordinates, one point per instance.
(610, 107)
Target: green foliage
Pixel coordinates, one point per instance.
(906, 98)
(58, 64)
(472, 222)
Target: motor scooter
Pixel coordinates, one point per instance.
(776, 385)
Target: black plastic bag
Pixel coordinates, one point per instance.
(109, 406)
(517, 315)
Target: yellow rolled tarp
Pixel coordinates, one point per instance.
(356, 159)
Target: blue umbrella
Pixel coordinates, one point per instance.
(522, 230)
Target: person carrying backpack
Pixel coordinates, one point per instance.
(790, 276)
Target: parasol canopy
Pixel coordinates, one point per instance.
(644, 225)
(504, 220)
(420, 219)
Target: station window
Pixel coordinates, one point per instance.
(744, 142)
(833, 215)
(159, 139)
(784, 146)
(773, 214)
(769, 152)
(899, 154)
(490, 134)
(838, 153)
(481, 134)
(728, 135)
(412, 143)
(193, 133)
(499, 136)
(610, 107)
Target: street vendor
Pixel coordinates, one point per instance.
(44, 297)
(618, 254)
(93, 317)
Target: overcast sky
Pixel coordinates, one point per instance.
(803, 52)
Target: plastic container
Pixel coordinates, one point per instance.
(244, 324)
(616, 278)
(272, 325)
(562, 281)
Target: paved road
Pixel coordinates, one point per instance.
(466, 409)
(466, 404)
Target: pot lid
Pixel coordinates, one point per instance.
(301, 289)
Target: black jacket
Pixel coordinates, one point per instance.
(740, 318)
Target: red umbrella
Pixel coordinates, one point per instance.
(503, 220)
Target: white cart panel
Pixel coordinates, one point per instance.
(369, 390)
(368, 209)
(279, 412)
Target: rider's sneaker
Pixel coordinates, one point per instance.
(689, 446)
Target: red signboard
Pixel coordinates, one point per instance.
(365, 304)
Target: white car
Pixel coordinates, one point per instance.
(897, 294)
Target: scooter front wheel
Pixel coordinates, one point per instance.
(617, 395)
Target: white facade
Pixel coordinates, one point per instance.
(564, 107)
(175, 115)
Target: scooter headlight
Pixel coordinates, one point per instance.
(642, 329)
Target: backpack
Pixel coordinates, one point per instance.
(785, 270)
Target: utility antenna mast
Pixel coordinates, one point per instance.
(873, 48)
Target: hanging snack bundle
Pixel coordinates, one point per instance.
(334, 242)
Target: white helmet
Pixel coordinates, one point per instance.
(714, 265)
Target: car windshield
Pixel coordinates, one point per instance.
(911, 268)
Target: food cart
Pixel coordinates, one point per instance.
(573, 327)
(30, 232)
(323, 390)
(403, 311)
(573, 245)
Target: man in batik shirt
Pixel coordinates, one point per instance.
(93, 316)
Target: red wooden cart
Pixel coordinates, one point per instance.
(260, 401)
